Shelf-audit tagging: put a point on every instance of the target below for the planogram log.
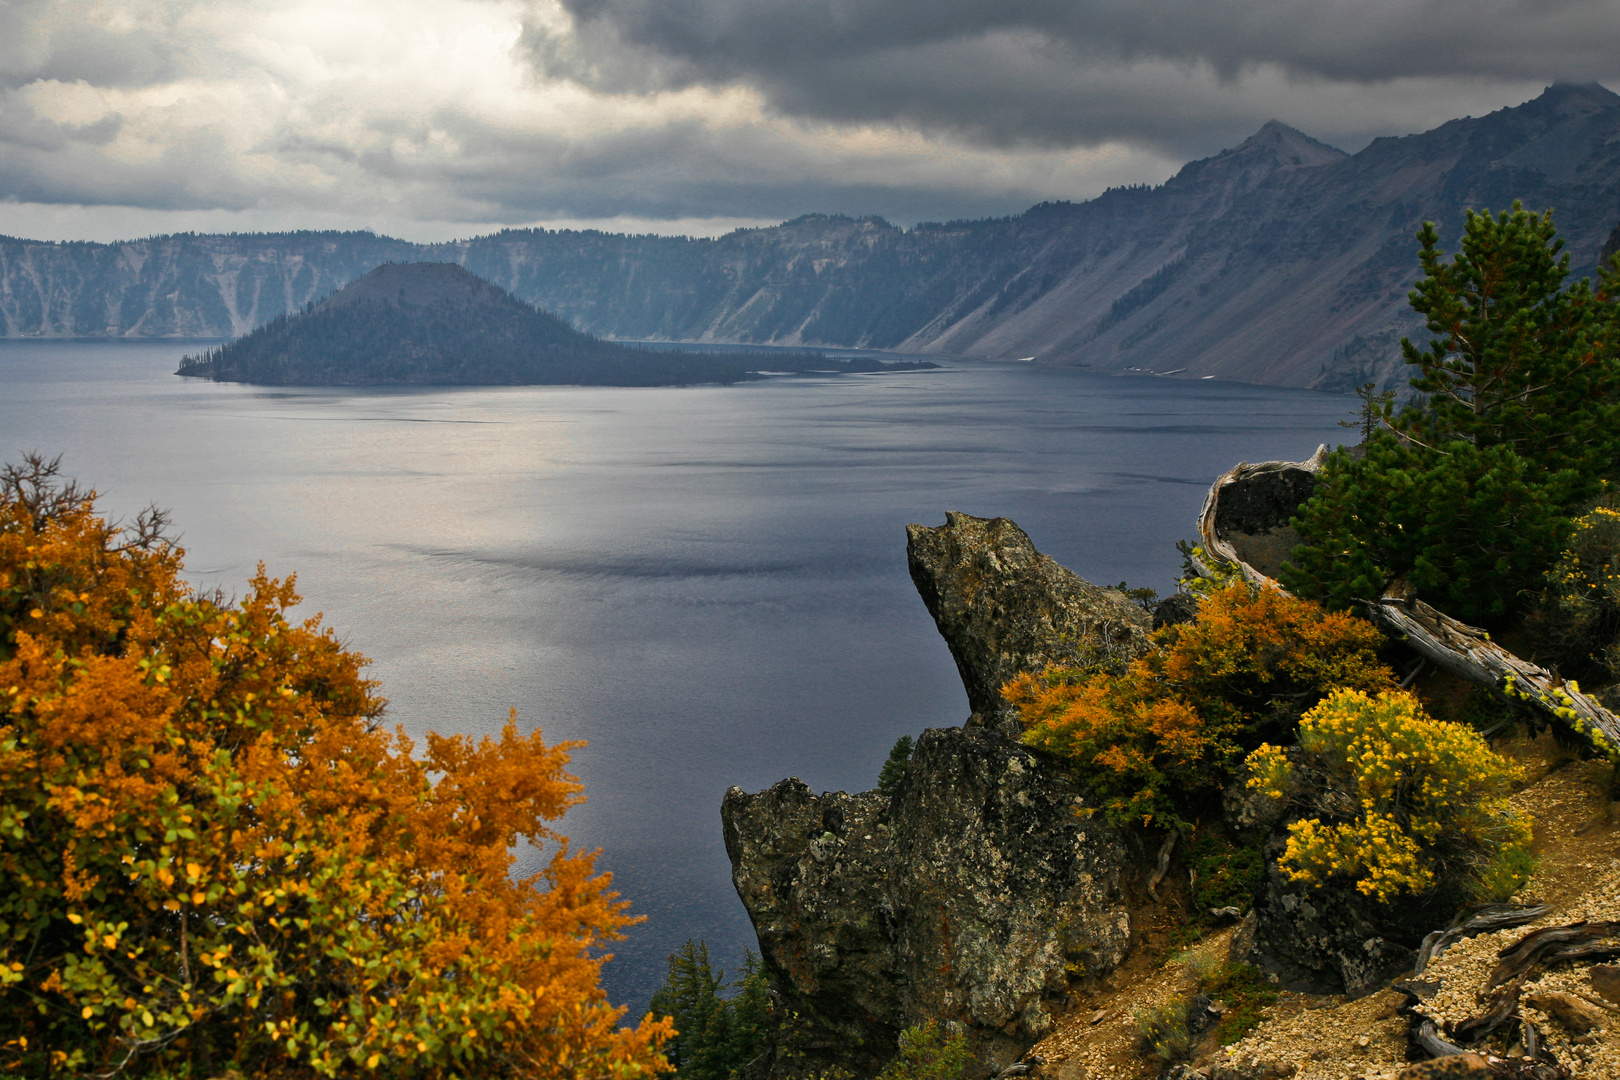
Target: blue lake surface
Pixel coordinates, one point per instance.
(708, 584)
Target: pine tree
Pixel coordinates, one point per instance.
(716, 1037)
(751, 1021)
(1471, 495)
(894, 769)
(691, 996)
(1372, 412)
(1516, 359)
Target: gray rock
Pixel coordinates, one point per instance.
(978, 895)
(1332, 939)
(1251, 814)
(1174, 610)
(1004, 609)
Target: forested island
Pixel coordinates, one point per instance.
(438, 324)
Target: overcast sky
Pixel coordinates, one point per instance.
(431, 119)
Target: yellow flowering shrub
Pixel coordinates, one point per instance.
(1407, 799)
(1578, 617)
(1166, 732)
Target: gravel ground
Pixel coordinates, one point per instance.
(1333, 1038)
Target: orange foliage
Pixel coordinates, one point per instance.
(1168, 731)
(211, 856)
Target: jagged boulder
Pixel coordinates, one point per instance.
(1004, 609)
(977, 894)
(1332, 940)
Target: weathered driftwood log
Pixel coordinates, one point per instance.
(1469, 652)
(1246, 536)
(1520, 961)
(1244, 522)
(1486, 919)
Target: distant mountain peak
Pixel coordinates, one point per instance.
(1570, 98)
(1595, 90)
(1289, 145)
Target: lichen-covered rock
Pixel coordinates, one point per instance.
(1004, 609)
(1331, 939)
(977, 894)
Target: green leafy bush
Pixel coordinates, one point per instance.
(1243, 989)
(929, 1052)
(1224, 874)
(1577, 620)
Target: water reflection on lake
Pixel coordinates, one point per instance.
(708, 584)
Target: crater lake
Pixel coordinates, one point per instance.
(708, 584)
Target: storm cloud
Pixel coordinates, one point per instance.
(430, 118)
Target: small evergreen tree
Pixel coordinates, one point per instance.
(1472, 495)
(691, 997)
(1516, 360)
(1467, 528)
(715, 1036)
(752, 1021)
(894, 769)
(1374, 409)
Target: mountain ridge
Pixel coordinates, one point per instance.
(1281, 260)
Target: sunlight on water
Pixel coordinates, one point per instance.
(708, 584)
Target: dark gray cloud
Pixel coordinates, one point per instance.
(394, 113)
(1064, 71)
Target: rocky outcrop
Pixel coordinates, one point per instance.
(1333, 940)
(1004, 609)
(977, 894)
(983, 887)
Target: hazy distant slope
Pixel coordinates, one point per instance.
(177, 286)
(437, 324)
(1281, 260)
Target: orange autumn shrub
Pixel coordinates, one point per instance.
(213, 858)
(1168, 732)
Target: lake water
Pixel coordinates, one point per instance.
(708, 584)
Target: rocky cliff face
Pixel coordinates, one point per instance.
(1281, 260)
(1004, 609)
(977, 894)
(984, 887)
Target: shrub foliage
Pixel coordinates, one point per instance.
(929, 1051)
(1166, 733)
(1401, 801)
(1577, 620)
(211, 857)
